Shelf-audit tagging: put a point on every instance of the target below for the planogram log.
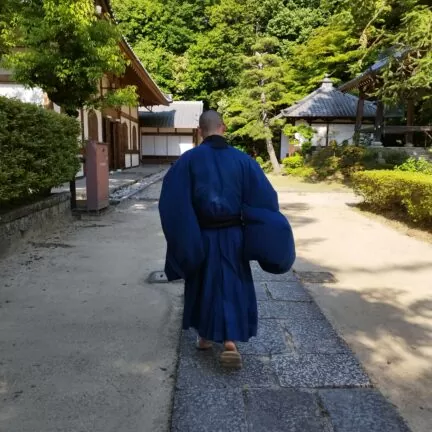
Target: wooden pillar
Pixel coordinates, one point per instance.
(379, 124)
(327, 133)
(409, 136)
(360, 111)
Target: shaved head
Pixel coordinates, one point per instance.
(211, 123)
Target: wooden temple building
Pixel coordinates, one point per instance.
(117, 127)
(366, 84)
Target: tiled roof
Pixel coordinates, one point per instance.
(366, 76)
(328, 102)
(178, 115)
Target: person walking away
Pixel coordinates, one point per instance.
(218, 212)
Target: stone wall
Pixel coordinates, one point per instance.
(34, 219)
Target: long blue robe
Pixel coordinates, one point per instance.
(216, 182)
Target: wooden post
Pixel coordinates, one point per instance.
(409, 136)
(379, 123)
(327, 133)
(360, 111)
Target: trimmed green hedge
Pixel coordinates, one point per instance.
(397, 190)
(38, 150)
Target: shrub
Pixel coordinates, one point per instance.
(395, 157)
(352, 159)
(38, 150)
(303, 172)
(408, 192)
(416, 165)
(306, 148)
(295, 161)
(326, 162)
(266, 166)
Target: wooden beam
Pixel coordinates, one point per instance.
(392, 130)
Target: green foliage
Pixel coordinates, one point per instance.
(395, 157)
(7, 24)
(410, 77)
(295, 166)
(68, 49)
(38, 150)
(352, 159)
(126, 96)
(292, 162)
(305, 172)
(407, 192)
(208, 50)
(265, 165)
(241, 148)
(420, 165)
(326, 162)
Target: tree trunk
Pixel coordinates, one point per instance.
(265, 118)
(269, 142)
(271, 152)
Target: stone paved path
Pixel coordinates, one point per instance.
(298, 375)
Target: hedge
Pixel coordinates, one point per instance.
(397, 190)
(38, 150)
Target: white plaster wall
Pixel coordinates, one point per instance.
(128, 161)
(341, 132)
(148, 145)
(186, 143)
(284, 146)
(18, 91)
(135, 160)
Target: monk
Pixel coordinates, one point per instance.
(219, 212)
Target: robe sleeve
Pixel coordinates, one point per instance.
(185, 251)
(268, 235)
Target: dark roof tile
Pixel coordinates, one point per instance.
(177, 115)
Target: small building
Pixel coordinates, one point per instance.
(116, 127)
(330, 112)
(169, 131)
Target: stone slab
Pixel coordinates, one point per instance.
(319, 370)
(210, 411)
(201, 369)
(288, 291)
(262, 276)
(361, 410)
(271, 339)
(287, 410)
(261, 291)
(316, 336)
(291, 311)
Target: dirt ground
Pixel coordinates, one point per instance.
(86, 344)
(382, 300)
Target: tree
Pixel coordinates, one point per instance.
(262, 92)
(67, 50)
(161, 31)
(7, 21)
(410, 77)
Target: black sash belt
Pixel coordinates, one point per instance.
(221, 223)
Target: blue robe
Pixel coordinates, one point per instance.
(215, 182)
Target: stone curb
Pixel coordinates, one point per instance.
(156, 177)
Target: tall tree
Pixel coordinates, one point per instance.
(252, 107)
(67, 50)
